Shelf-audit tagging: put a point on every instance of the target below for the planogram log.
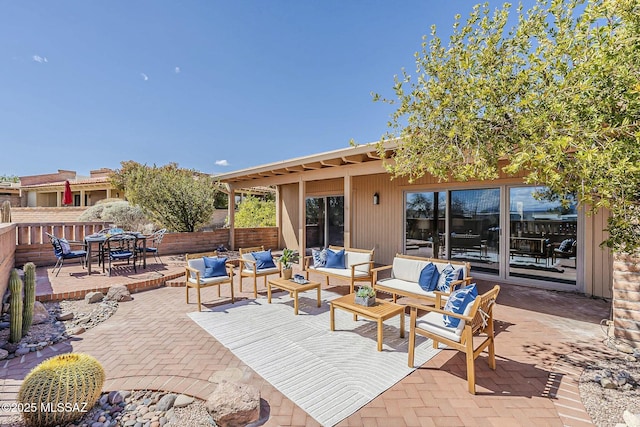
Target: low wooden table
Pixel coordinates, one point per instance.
(293, 288)
(379, 312)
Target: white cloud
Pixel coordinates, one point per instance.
(40, 59)
(177, 70)
(222, 163)
(144, 77)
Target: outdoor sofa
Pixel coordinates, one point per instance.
(406, 271)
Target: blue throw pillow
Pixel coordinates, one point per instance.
(214, 267)
(426, 276)
(319, 258)
(434, 280)
(263, 259)
(458, 302)
(448, 275)
(335, 259)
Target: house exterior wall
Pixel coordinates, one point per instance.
(290, 216)
(382, 226)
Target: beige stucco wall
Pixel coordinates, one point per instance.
(7, 254)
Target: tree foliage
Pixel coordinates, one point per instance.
(557, 96)
(254, 212)
(178, 199)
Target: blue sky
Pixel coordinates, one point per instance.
(211, 85)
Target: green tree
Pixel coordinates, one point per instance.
(557, 96)
(9, 178)
(254, 212)
(178, 199)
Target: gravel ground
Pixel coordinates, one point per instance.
(606, 406)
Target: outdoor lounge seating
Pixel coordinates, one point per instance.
(62, 251)
(252, 267)
(405, 276)
(475, 321)
(566, 249)
(207, 269)
(356, 265)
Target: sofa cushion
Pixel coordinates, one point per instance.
(345, 272)
(407, 269)
(264, 259)
(214, 266)
(426, 276)
(448, 275)
(457, 303)
(319, 257)
(209, 280)
(405, 286)
(335, 259)
(351, 258)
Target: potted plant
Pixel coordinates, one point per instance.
(286, 260)
(366, 296)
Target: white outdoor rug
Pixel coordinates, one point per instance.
(328, 374)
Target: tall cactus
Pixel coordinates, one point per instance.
(6, 211)
(29, 296)
(15, 327)
(61, 389)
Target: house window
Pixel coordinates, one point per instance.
(324, 221)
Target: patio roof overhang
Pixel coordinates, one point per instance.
(290, 170)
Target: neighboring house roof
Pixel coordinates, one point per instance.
(82, 183)
(330, 159)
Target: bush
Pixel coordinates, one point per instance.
(121, 213)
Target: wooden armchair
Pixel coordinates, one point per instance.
(195, 275)
(476, 321)
(249, 268)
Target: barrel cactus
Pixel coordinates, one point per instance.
(61, 389)
(15, 307)
(29, 296)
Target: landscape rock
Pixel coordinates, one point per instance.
(115, 398)
(93, 297)
(624, 348)
(607, 383)
(631, 419)
(118, 293)
(64, 316)
(166, 402)
(234, 404)
(76, 330)
(22, 351)
(3, 354)
(40, 313)
(182, 400)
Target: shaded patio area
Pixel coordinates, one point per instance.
(543, 340)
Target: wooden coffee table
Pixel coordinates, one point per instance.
(293, 288)
(379, 312)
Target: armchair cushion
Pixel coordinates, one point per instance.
(458, 302)
(264, 259)
(65, 246)
(214, 267)
(335, 259)
(319, 257)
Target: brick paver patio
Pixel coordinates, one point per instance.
(543, 340)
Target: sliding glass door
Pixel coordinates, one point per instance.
(425, 224)
(324, 221)
(474, 228)
(543, 236)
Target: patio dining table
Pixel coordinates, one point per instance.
(99, 239)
